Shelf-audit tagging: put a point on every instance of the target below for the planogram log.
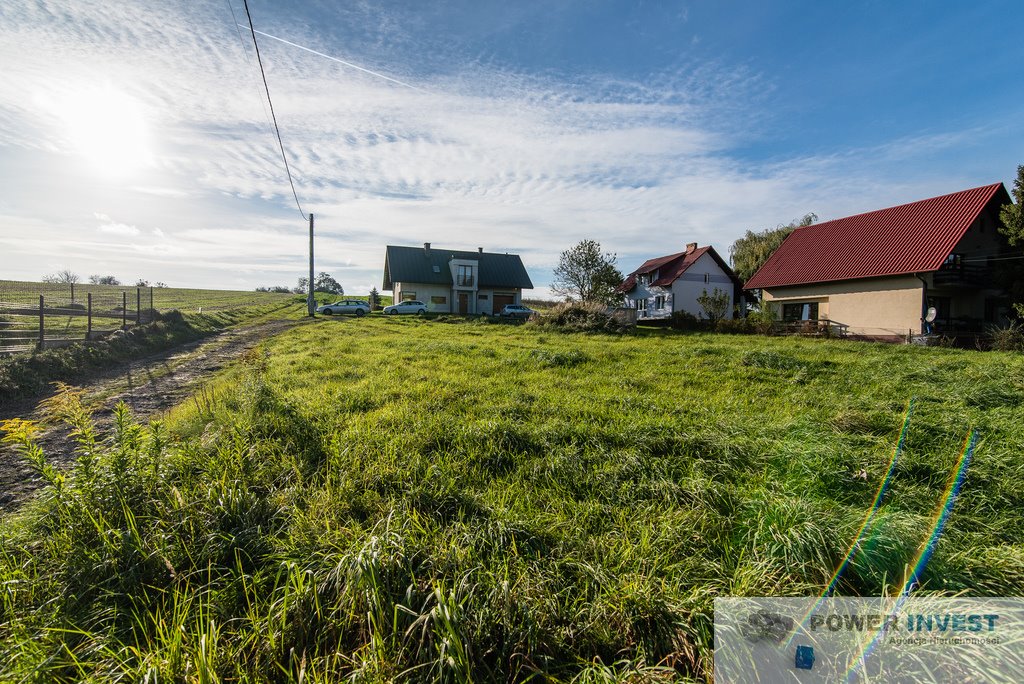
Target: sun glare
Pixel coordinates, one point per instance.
(108, 128)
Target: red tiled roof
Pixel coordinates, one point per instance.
(672, 266)
(910, 238)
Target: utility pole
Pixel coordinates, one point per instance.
(310, 303)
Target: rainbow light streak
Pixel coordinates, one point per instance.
(882, 489)
(926, 549)
(948, 501)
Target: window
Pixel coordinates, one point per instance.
(801, 311)
(641, 305)
(659, 302)
(465, 276)
(438, 300)
(707, 277)
(408, 296)
(483, 296)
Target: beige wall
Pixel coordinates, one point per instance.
(424, 293)
(872, 306)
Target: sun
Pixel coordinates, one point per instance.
(108, 128)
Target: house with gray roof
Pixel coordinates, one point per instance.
(452, 281)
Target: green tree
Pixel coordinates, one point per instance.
(1012, 214)
(104, 280)
(586, 274)
(753, 249)
(374, 299)
(715, 304)
(325, 283)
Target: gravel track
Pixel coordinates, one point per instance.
(150, 386)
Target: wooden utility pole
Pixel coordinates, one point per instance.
(310, 303)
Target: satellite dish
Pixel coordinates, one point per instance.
(932, 313)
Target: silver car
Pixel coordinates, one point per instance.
(346, 306)
(413, 306)
(516, 311)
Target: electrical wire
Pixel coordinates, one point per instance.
(241, 42)
(277, 129)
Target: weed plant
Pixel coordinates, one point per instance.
(395, 500)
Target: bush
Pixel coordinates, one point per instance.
(580, 317)
(735, 326)
(762, 322)
(684, 320)
(1007, 339)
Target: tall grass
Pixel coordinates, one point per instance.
(399, 500)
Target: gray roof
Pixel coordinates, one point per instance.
(416, 265)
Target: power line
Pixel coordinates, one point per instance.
(280, 142)
(241, 42)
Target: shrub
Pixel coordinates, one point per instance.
(684, 320)
(735, 326)
(763, 321)
(1007, 339)
(580, 317)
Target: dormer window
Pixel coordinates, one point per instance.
(464, 277)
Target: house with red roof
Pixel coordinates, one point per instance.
(664, 285)
(884, 273)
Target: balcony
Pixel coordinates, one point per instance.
(464, 281)
(961, 275)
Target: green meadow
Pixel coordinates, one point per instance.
(385, 499)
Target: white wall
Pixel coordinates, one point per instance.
(424, 292)
(705, 274)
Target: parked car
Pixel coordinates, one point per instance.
(411, 307)
(516, 311)
(345, 306)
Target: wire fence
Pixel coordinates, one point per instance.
(42, 315)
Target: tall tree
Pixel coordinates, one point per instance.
(325, 283)
(1013, 214)
(753, 249)
(586, 274)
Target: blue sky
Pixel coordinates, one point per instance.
(134, 137)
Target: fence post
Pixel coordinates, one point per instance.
(124, 310)
(152, 312)
(138, 305)
(42, 324)
(72, 293)
(88, 319)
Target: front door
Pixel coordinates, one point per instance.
(463, 303)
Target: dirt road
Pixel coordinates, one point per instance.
(149, 386)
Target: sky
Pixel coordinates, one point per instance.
(135, 137)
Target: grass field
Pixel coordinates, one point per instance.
(383, 499)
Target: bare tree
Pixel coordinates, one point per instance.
(64, 277)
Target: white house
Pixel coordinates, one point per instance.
(455, 281)
(673, 283)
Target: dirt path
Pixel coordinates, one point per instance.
(149, 386)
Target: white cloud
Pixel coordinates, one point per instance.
(488, 158)
(118, 229)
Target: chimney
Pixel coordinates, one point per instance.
(426, 249)
(690, 246)
(480, 250)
